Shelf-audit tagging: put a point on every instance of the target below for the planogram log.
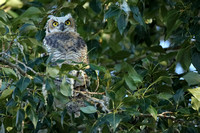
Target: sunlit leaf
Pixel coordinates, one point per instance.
(129, 81)
(165, 96)
(53, 72)
(6, 93)
(65, 88)
(4, 16)
(195, 104)
(153, 112)
(9, 72)
(195, 92)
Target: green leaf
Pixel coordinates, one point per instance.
(8, 71)
(40, 35)
(20, 116)
(53, 72)
(4, 16)
(122, 22)
(91, 73)
(25, 28)
(32, 115)
(38, 80)
(96, 67)
(113, 11)
(14, 3)
(195, 92)
(31, 12)
(165, 96)
(132, 73)
(192, 78)
(88, 109)
(112, 119)
(130, 83)
(178, 96)
(6, 93)
(172, 22)
(95, 5)
(184, 57)
(120, 55)
(23, 83)
(195, 104)
(153, 112)
(63, 116)
(137, 15)
(65, 88)
(6, 29)
(195, 59)
(34, 41)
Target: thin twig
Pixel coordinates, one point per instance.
(15, 66)
(97, 87)
(162, 115)
(26, 67)
(91, 93)
(12, 66)
(9, 46)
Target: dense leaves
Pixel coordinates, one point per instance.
(129, 68)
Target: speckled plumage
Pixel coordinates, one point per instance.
(67, 46)
(64, 43)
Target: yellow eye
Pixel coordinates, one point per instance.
(55, 23)
(68, 22)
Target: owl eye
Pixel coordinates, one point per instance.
(68, 22)
(55, 23)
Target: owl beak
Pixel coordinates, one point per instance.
(62, 26)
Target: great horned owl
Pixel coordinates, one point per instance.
(64, 43)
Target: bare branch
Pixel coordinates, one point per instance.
(96, 100)
(12, 66)
(162, 115)
(26, 67)
(91, 93)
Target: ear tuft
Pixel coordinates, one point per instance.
(68, 15)
(50, 16)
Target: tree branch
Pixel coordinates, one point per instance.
(91, 93)
(95, 100)
(4, 61)
(162, 115)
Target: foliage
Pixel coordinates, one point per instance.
(134, 71)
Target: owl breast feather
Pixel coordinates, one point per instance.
(65, 46)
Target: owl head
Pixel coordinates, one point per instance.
(60, 24)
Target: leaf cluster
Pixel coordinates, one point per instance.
(127, 63)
